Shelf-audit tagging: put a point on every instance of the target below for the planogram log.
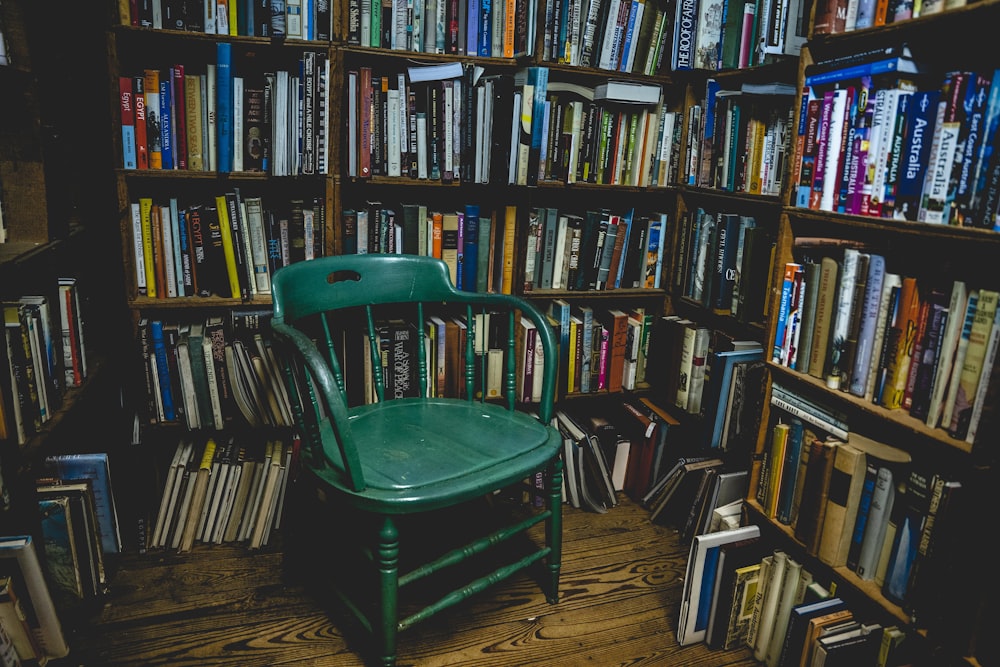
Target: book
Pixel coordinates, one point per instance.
(797, 634)
(846, 483)
(734, 560)
(21, 559)
(699, 581)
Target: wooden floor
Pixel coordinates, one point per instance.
(621, 583)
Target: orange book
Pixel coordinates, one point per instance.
(437, 231)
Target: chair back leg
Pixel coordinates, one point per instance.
(388, 576)
(553, 527)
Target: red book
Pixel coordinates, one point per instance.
(365, 145)
(127, 122)
(616, 322)
(141, 144)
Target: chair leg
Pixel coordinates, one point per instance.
(554, 528)
(388, 575)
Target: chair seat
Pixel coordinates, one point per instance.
(420, 454)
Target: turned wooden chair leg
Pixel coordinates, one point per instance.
(388, 573)
(554, 529)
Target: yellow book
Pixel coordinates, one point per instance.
(227, 245)
(509, 229)
(145, 214)
(198, 496)
(192, 118)
(574, 322)
(775, 461)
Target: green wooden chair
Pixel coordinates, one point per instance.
(387, 462)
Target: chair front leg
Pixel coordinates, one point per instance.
(387, 555)
(553, 526)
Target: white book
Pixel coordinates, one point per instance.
(138, 254)
(175, 223)
(881, 157)
(213, 384)
(687, 632)
(237, 123)
(605, 52)
(515, 127)
(211, 156)
(167, 236)
(984, 379)
(831, 178)
(393, 155)
(953, 328)
(421, 149)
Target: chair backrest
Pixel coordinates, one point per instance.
(324, 308)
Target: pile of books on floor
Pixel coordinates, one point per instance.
(223, 491)
(740, 593)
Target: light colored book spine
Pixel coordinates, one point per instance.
(972, 368)
(842, 313)
(891, 280)
(834, 150)
(865, 350)
(687, 358)
(984, 379)
(825, 301)
(877, 523)
(772, 595)
(956, 310)
(948, 405)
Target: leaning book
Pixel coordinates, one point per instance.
(20, 557)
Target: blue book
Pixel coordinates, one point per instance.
(627, 222)
(94, 467)
(224, 106)
(790, 470)
(715, 399)
(707, 587)
(162, 369)
(166, 134)
(798, 626)
(472, 28)
(538, 78)
(894, 65)
(470, 255)
(485, 32)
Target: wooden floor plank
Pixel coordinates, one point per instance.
(223, 605)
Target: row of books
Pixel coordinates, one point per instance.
(622, 447)
(891, 339)
(622, 36)
(293, 19)
(741, 593)
(433, 122)
(477, 244)
(227, 245)
(42, 353)
(210, 373)
(472, 28)
(879, 139)
(618, 132)
(594, 250)
(723, 260)
(735, 34)
(837, 16)
(740, 140)
(231, 117)
(886, 522)
(704, 372)
(224, 491)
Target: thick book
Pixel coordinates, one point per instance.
(846, 483)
